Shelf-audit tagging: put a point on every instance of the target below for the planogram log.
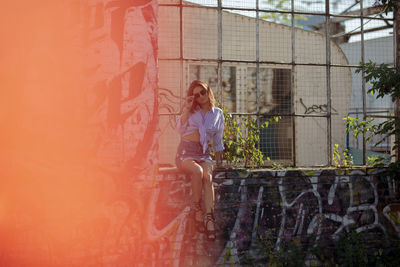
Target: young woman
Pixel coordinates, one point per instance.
(200, 123)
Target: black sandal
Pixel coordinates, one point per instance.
(211, 234)
(196, 208)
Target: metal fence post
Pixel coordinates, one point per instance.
(292, 87)
(328, 81)
(397, 61)
(364, 100)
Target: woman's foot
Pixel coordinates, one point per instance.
(197, 214)
(210, 226)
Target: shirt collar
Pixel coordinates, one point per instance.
(198, 109)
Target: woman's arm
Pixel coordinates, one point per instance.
(180, 124)
(218, 158)
(218, 145)
(185, 116)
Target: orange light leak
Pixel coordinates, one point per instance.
(66, 197)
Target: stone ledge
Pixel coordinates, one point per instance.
(242, 173)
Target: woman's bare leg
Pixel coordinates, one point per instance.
(208, 186)
(196, 173)
(208, 195)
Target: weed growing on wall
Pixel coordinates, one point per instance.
(359, 126)
(341, 161)
(348, 250)
(289, 254)
(241, 139)
(386, 257)
(375, 161)
(352, 250)
(277, 166)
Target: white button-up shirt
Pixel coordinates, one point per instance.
(210, 127)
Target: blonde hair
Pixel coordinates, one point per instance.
(210, 94)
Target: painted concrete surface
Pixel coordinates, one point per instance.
(82, 146)
(148, 223)
(306, 206)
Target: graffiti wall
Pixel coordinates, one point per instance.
(260, 211)
(79, 145)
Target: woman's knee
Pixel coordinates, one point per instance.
(196, 172)
(192, 168)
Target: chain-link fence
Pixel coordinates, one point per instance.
(275, 58)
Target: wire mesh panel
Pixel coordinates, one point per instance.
(377, 28)
(276, 140)
(379, 143)
(234, 4)
(353, 28)
(310, 43)
(168, 140)
(244, 51)
(337, 55)
(372, 6)
(170, 98)
(276, 8)
(348, 7)
(352, 52)
(201, 3)
(239, 36)
(200, 33)
(340, 102)
(169, 86)
(313, 6)
(310, 90)
(311, 145)
(204, 71)
(169, 32)
(378, 50)
(229, 86)
(310, 100)
(208, 72)
(274, 95)
(356, 98)
(353, 143)
(275, 42)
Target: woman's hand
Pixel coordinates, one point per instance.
(188, 103)
(186, 108)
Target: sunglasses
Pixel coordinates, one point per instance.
(202, 92)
